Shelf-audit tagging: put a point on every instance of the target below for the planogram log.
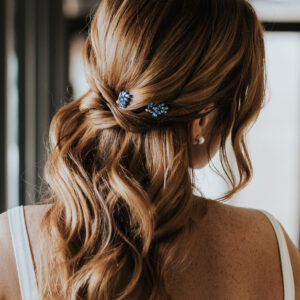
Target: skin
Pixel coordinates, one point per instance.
(201, 127)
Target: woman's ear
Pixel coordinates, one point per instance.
(200, 125)
(203, 121)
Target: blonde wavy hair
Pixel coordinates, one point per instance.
(119, 180)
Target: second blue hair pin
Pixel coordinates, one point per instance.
(157, 109)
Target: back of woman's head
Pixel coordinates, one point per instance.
(119, 178)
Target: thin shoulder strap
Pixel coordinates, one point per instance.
(24, 262)
(286, 267)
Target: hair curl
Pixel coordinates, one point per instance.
(119, 179)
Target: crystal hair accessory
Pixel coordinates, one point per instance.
(157, 108)
(124, 98)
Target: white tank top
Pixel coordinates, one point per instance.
(25, 266)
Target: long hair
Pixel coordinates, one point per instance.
(119, 180)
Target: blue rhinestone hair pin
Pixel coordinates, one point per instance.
(157, 108)
(123, 98)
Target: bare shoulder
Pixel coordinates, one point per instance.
(243, 228)
(33, 216)
(251, 230)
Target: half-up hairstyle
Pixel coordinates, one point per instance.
(118, 178)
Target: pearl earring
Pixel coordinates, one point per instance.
(201, 140)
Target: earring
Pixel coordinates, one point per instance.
(200, 140)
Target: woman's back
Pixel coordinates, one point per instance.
(169, 83)
(235, 256)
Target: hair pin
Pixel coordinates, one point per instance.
(123, 98)
(157, 108)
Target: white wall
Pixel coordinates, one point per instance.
(274, 141)
(277, 10)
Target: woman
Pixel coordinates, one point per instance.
(170, 82)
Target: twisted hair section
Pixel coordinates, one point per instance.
(114, 194)
(120, 189)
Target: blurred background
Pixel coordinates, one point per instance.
(41, 69)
